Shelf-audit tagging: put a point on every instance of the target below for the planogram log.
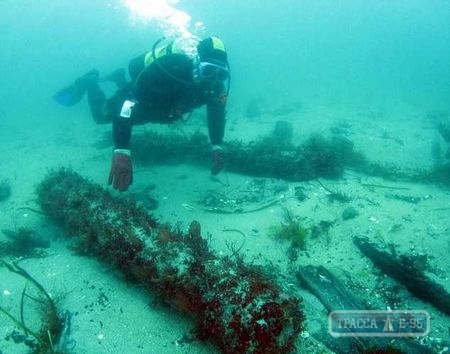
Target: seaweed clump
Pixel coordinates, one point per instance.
(290, 229)
(23, 242)
(238, 306)
(53, 331)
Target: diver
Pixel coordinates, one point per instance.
(166, 84)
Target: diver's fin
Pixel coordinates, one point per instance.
(71, 95)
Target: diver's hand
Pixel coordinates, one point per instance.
(121, 173)
(217, 159)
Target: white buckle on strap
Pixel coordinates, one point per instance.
(127, 108)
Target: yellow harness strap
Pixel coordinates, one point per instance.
(171, 48)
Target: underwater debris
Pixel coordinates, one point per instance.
(382, 186)
(408, 271)
(406, 198)
(241, 210)
(5, 190)
(256, 195)
(264, 157)
(340, 294)
(326, 157)
(321, 229)
(300, 193)
(48, 338)
(171, 148)
(318, 156)
(238, 306)
(23, 243)
(334, 295)
(329, 290)
(349, 213)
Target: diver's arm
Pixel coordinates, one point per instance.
(121, 172)
(215, 109)
(122, 132)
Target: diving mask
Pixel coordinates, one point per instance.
(208, 71)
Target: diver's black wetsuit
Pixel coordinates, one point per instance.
(163, 91)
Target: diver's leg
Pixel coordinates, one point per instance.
(72, 94)
(97, 102)
(118, 77)
(104, 110)
(96, 97)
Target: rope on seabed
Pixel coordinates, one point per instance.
(244, 237)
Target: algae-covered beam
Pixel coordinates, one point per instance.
(267, 156)
(264, 157)
(335, 295)
(328, 289)
(406, 272)
(238, 306)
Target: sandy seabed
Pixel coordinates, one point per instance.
(110, 315)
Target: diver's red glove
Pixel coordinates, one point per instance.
(217, 159)
(121, 173)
